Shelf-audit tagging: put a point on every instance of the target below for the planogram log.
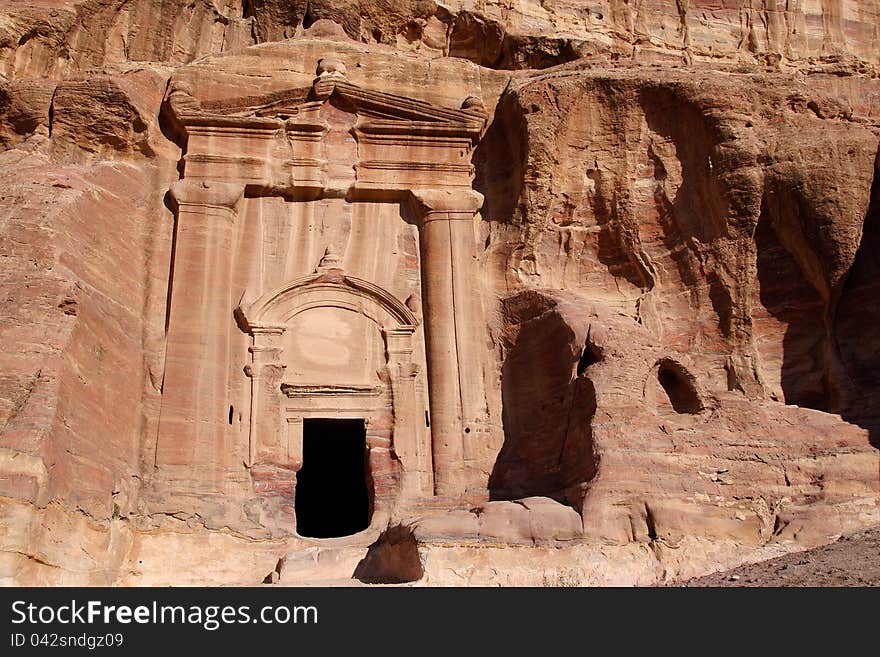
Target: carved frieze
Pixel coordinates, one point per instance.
(275, 143)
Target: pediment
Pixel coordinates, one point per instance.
(292, 142)
(377, 111)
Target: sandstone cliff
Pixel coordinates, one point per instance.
(677, 257)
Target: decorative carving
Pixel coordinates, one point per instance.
(299, 295)
(330, 260)
(459, 203)
(390, 130)
(414, 303)
(293, 390)
(209, 194)
(182, 101)
(330, 72)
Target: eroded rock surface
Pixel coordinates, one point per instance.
(607, 279)
(57, 37)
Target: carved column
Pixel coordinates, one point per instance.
(266, 435)
(194, 422)
(402, 372)
(449, 287)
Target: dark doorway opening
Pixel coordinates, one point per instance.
(331, 487)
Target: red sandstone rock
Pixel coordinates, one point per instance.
(606, 323)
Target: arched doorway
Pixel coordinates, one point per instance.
(333, 392)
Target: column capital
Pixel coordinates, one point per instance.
(208, 193)
(462, 202)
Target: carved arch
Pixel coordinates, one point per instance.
(278, 409)
(277, 307)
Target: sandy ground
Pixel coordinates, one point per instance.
(853, 560)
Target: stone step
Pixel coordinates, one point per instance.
(334, 583)
(324, 583)
(324, 563)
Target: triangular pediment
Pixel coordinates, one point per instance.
(290, 141)
(378, 109)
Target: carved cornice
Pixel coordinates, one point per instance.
(274, 143)
(205, 194)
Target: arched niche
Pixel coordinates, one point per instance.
(334, 289)
(672, 389)
(368, 334)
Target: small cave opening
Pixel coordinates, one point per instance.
(679, 388)
(590, 356)
(331, 487)
(308, 20)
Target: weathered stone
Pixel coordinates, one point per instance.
(603, 323)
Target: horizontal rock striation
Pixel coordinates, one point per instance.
(664, 365)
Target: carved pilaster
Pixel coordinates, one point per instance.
(410, 439)
(194, 426)
(265, 371)
(453, 328)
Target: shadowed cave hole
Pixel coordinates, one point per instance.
(860, 348)
(308, 20)
(547, 413)
(590, 356)
(676, 382)
(787, 296)
(392, 559)
(331, 487)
